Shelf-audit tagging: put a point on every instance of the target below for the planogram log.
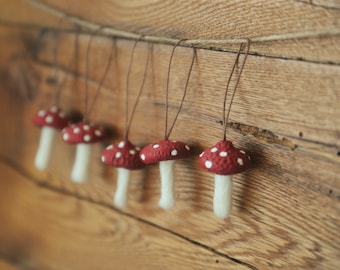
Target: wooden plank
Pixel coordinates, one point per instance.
(48, 230)
(20, 12)
(204, 20)
(284, 217)
(272, 94)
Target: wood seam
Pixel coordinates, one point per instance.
(202, 47)
(42, 184)
(108, 30)
(263, 135)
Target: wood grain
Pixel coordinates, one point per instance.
(272, 97)
(220, 20)
(286, 208)
(204, 20)
(67, 233)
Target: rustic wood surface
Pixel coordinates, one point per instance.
(95, 237)
(211, 20)
(286, 208)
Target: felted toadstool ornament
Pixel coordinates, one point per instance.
(84, 133)
(124, 155)
(224, 159)
(51, 122)
(167, 151)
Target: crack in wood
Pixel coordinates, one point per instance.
(43, 184)
(201, 47)
(262, 134)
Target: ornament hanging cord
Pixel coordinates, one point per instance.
(328, 32)
(226, 114)
(58, 87)
(88, 109)
(166, 132)
(128, 120)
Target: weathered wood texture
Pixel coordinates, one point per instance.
(69, 232)
(210, 20)
(286, 211)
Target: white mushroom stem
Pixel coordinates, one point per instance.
(43, 155)
(121, 195)
(166, 169)
(222, 195)
(80, 167)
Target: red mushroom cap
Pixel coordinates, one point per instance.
(164, 150)
(53, 117)
(83, 133)
(224, 159)
(123, 155)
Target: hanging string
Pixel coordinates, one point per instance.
(88, 109)
(166, 132)
(128, 120)
(59, 86)
(325, 32)
(226, 114)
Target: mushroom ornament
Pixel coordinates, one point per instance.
(125, 156)
(165, 152)
(50, 121)
(83, 135)
(224, 160)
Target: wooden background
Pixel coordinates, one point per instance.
(286, 114)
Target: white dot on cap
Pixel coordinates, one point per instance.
(118, 155)
(174, 152)
(109, 147)
(187, 147)
(76, 130)
(86, 127)
(66, 136)
(142, 157)
(41, 113)
(201, 155)
(208, 164)
(242, 152)
(103, 159)
(137, 148)
(240, 161)
(213, 150)
(49, 119)
(155, 146)
(98, 132)
(54, 109)
(223, 154)
(87, 138)
(249, 157)
(121, 144)
(62, 115)
(132, 152)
